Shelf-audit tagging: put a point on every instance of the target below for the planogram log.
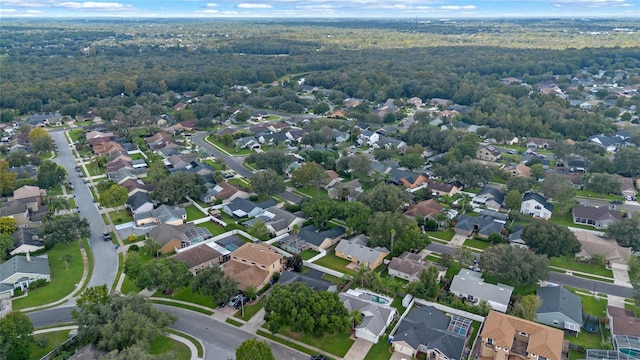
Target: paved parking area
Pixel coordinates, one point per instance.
(620, 274)
(358, 350)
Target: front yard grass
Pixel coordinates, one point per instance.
(444, 235)
(250, 310)
(312, 191)
(478, 244)
(335, 263)
(595, 195)
(594, 305)
(337, 344)
(230, 150)
(120, 216)
(193, 213)
(75, 134)
(380, 351)
(569, 263)
(63, 280)
(308, 254)
(185, 294)
(129, 287)
(164, 344)
(565, 219)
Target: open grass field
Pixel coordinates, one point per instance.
(164, 344)
(337, 344)
(569, 263)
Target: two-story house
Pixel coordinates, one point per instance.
(253, 264)
(536, 205)
(488, 153)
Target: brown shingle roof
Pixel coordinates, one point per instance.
(261, 254)
(424, 208)
(27, 191)
(543, 340)
(624, 321)
(197, 255)
(595, 212)
(245, 274)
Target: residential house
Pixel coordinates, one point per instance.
(331, 179)
(225, 191)
(348, 191)
(340, 136)
(247, 142)
(360, 254)
(408, 179)
(139, 202)
(483, 225)
(520, 170)
(200, 257)
(623, 322)
(25, 172)
(391, 143)
(279, 221)
(171, 237)
(135, 186)
(425, 209)
(505, 336)
(428, 330)
(439, 189)
(470, 285)
(560, 308)
(26, 240)
(124, 174)
(311, 237)
(25, 207)
(409, 266)
(253, 264)
(20, 271)
(610, 143)
(164, 214)
(159, 141)
(577, 164)
(375, 315)
(489, 197)
(515, 238)
(34, 193)
(538, 143)
(488, 153)
(535, 205)
(242, 208)
(312, 278)
(368, 137)
(597, 245)
(600, 217)
(626, 186)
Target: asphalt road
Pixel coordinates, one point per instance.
(105, 259)
(235, 163)
(220, 340)
(557, 278)
(628, 205)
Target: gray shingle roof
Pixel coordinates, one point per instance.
(428, 326)
(374, 315)
(19, 264)
(361, 252)
(138, 199)
(309, 234)
(470, 282)
(537, 197)
(559, 299)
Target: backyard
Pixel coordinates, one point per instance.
(120, 216)
(308, 254)
(335, 263)
(55, 339)
(193, 213)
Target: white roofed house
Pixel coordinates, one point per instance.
(376, 313)
(470, 285)
(279, 221)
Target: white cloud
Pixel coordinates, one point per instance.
(591, 3)
(212, 5)
(254, 6)
(34, 12)
(93, 5)
(458, 7)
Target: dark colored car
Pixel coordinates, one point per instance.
(106, 236)
(318, 357)
(617, 202)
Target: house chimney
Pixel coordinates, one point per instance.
(28, 256)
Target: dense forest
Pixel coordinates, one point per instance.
(72, 66)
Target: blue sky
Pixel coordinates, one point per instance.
(320, 8)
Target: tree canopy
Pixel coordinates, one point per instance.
(550, 239)
(164, 274)
(625, 232)
(384, 197)
(302, 309)
(50, 175)
(179, 185)
(64, 229)
(254, 349)
(267, 182)
(513, 265)
(212, 282)
(15, 336)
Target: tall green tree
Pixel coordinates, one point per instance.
(212, 282)
(427, 287)
(305, 310)
(627, 161)
(309, 174)
(602, 183)
(15, 336)
(406, 235)
(50, 175)
(513, 200)
(506, 264)
(558, 188)
(550, 239)
(274, 160)
(253, 349)
(267, 182)
(8, 180)
(178, 186)
(163, 274)
(115, 196)
(526, 307)
(384, 197)
(625, 232)
(64, 229)
(116, 322)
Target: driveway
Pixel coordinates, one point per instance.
(620, 274)
(105, 258)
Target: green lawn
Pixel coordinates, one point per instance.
(214, 228)
(337, 344)
(137, 156)
(233, 322)
(193, 340)
(63, 280)
(120, 216)
(56, 338)
(287, 343)
(444, 235)
(185, 294)
(634, 308)
(333, 262)
(163, 344)
(230, 150)
(55, 191)
(313, 192)
(595, 195)
(183, 306)
(333, 279)
(250, 309)
(193, 213)
(239, 182)
(94, 169)
(380, 351)
(594, 306)
(308, 254)
(568, 262)
(75, 134)
(478, 244)
(565, 219)
(588, 340)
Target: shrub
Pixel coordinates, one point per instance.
(41, 341)
(17, 292)
(134, 247)
(38, 283)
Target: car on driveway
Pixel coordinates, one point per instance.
(237, 301)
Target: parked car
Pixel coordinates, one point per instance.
(106, 236)
(235, 300)
(318, 357)
(72, 187)
(617, 202)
